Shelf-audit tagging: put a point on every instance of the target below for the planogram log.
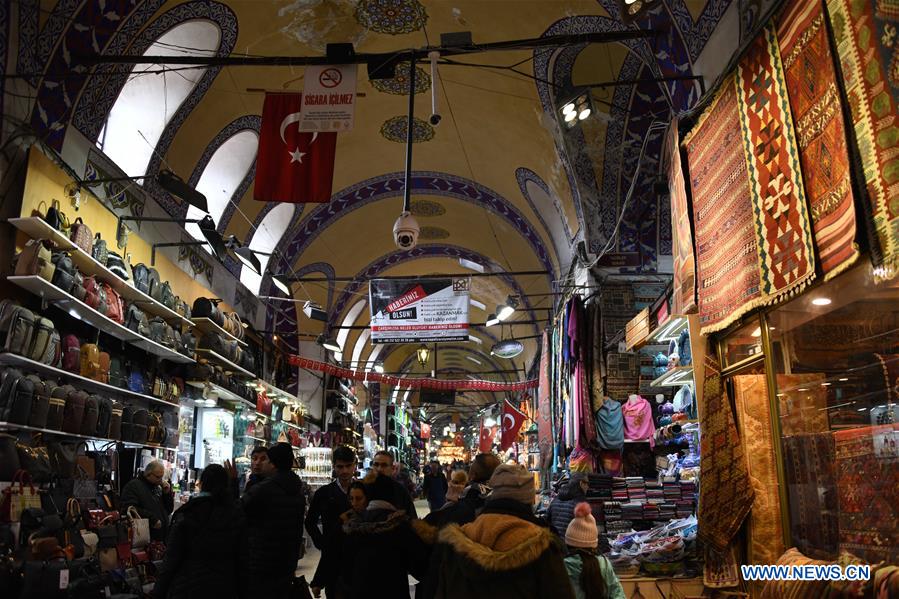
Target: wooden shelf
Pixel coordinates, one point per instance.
(221, 392)
(49, 292)
(36, 228)
(225, 363)
(85, 383)
(5, 426)
(207, 325)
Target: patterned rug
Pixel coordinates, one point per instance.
(810, 76)
(802, 411)
(726, 493)
(812, 491)
(869, 55)
(867, 475)
(544, 409)
(726, 243)
(890, 365)
(786, 254)
(684, 296)
(754, 418)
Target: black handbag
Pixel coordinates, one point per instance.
(116, 266)
(207, 308)
(35, 461)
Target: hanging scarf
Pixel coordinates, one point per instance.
(638, 424)
(610, 425)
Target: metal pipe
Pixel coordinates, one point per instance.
(516, 273)
(410, 121)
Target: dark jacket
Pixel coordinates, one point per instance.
(561, 511)
(328, 505)
(505, 552)
(463, 511)
(435, 487)
(382, 548)
(274, 510)
(150, 502)
(403, 500)
(205, 551)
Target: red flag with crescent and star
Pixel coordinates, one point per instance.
(292, 166)
(485, 444)
(512, 421)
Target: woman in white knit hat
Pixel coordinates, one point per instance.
(592, 576)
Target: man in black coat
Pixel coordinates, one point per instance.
(473, 497)
(382, 463)
(561, 511)
(274, 511)
(328, 504)
(435, 486)
(152, 497)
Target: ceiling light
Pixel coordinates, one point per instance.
(423, 354)
(328, 343)
(477, 304)
(379, 368)
(213, 237)
(570, 117)
(488, 422)
(471, 265)
(583, 114)
(826, 384)
(504, 311)
(757, 332)
(803, 389)
(822, 301)
(629, 1)
(281, 282)
(176, 186)
(248, 258)
(475, 360)
(492, 320)
(314, 311)
(568, 108)
(475, 339)
(843, 380)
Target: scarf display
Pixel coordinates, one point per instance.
(610, 425)
(638, 425)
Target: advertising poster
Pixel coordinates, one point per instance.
(419, 310)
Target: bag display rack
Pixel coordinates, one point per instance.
(229, 366)
(207, 325)
(11, 426)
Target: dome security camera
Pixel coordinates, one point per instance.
(435, 119)
(405, 231)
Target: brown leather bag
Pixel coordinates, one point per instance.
(35, 259)
(82, 235)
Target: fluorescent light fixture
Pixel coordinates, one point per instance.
(568, 108)
(492, 320)
(314, 312)
(477, 304)
(569, 117)
(862, 410)
(826, 384)
(328, 343)
(803, 389)
(475, 360)
(822, 301)
(583, 114)
(504, 311)
(843, 380)
(281, 282)
(471, 265)
(475, 339)
(248, 258)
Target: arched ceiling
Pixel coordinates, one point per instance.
(498, 181)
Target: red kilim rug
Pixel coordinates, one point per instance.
(684, 296)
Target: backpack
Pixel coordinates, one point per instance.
(136, 320)
(56, 218)
(90, 361)
(182, 308)
(45, 344)
(71, 354)
(115, 307)
(141, 275)
(136, 381)
(99, 251)
(162, 332)
(35, 259)
(74, 412)
(16, 327)
(90, 417)
(64, 271)
(40, 402)
(91, 292)
(207, 308)
(117, 266)
(104, 411)
(153, 284)
(82, 236)
(127, 423)
(115, 421)
(117, 373)
(16, 396)
(103, 374)
(167, 296)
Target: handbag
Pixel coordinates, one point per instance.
(140, 529)
(82, 236)
(56, 218)
(16, 499)
(35, 461)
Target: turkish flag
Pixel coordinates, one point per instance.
(512, 421)
(292, 166)
(486, 441)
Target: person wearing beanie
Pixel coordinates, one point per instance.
(458, 480)
(591, 574)
(383, 546)
(274, 510)
(561, 510)
(473, 496)
(505, 552)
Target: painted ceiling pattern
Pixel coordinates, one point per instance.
(519, 218)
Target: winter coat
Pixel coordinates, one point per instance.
(326, 508)
(382, 548)
(463, 511)
(274, 510)
(435, 487)
(205, 551)
(150, 502)
(614, 590)
(505, 552)
(561, 511)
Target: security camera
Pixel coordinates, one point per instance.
(435, 119)
(405, 231)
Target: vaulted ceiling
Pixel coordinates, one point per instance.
(500, 181)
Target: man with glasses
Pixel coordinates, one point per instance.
(152, 497)
(383, 464)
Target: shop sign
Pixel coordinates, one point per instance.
(419, 310)
(329, 98)
(619, 260)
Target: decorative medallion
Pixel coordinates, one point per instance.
(198, 263)
(427, 208)
(431, 233)
(115, 194)
(246, 300)
(391, 16)
(395, 130)
(399, 84)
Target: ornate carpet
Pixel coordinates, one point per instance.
(754, 418)
(802, 411)
(726, 493)
(865, 32)
(544, 409)
(726, 243)
(812, 491)
(684, 296)
(810, 77)
(786, 253)
(867, 475)
(890, 365)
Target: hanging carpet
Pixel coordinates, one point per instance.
(684, 295)
(811, 486)
(544, 409)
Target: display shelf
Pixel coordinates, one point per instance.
(207, 325)
(228, 365)
(277, 394)
(85, 383)
(675, 377)
(221, 392)
(49, 292)
(7, 426)
(36, 228)
(670, 331)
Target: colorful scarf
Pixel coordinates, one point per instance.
(638, 425)
(610, 425)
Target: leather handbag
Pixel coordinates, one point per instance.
(136, 320)
(99, 251)
(71, 354)
(18, 497)
(56, 218)
(40, 402)
(64, 457)
(207, 308)
(74, 411)
(140, 529)
(140, 275)
(64, 271)
(115, 307)
(35, 461)
(90, 361)
(36, 259)
(82, 236)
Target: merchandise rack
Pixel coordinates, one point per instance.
(49, 292)
(226, 364)
(6, 426)
(36, 228)
(85, 383)
(222, 393)
(207, 325)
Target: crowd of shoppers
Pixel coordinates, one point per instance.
(481, 538)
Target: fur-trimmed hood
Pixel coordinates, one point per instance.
(356, 524)
(498, 542)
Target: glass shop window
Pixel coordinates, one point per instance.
(744, 343)
(836, 356)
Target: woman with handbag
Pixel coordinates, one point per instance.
(206, 547)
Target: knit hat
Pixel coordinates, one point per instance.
(513, 481)
(458, 480)
(482, 467)
(582, 530)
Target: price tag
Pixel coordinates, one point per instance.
(63, 579)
